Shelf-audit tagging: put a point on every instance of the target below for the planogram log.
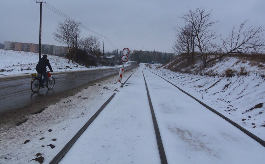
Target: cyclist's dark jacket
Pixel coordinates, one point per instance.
(43, 63)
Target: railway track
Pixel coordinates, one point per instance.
(256, 138)
(163, 145)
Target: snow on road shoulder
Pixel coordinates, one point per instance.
(44, 134)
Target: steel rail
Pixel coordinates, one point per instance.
(68, 146)
(161, 150)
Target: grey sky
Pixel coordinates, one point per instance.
(136, 24)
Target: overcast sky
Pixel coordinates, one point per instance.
(136, 24)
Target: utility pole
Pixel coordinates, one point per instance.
(103, 47)
(40, 28)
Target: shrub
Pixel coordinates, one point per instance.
(243, 71)
(229, 73)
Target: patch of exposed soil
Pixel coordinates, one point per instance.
(39, 158)
(260, 105)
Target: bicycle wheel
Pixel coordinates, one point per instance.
(35, 85)
(50, 83)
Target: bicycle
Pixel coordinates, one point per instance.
(36, 79)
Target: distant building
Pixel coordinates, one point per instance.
(34, 48)
(17, 46)
(59, 50)
(8, 46)
(46, 49)
(31, 47)
(1, 46)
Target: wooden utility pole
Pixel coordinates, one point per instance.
(103, 46)
(40, 28)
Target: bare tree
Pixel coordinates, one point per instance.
(245, 40)
(92, 45)
(67, 32)
(200, 22)
(185, 41)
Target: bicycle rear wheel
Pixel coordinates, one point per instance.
(50, 83)
(35, 85)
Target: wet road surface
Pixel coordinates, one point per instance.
(16, 93)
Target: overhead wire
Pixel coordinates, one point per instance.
(60, 13)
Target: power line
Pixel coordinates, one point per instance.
(60, 13)
(53, 9)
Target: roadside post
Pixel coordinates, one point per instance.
(124, 59)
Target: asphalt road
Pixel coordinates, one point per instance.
(16, 93)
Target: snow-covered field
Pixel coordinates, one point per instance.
(16, 63)
(239, 98)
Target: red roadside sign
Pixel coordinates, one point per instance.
(124, 58)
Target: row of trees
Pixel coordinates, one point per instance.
(196, 36)
(86, 50)
(151, 57)
(68, 32)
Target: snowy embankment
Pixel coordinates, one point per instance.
(240, 98)
(44, 134)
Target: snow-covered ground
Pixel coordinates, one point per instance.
(239, 98)
(123, 132)
(16, 63)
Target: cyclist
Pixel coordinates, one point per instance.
(41, 68)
